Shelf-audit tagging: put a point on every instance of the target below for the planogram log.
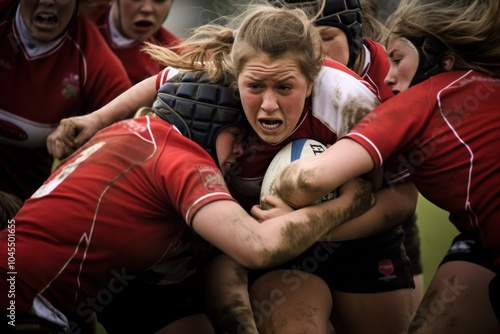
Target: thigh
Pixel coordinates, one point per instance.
(457, 301)
(373, 282)
(197, 323)
(387, 312)
(412, 246)
(291, 301)
(146, 308)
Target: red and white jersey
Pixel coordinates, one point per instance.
(445, 131)
(139, 65)
(338, 101)
(118, 207)
(41, 83)
(376, 68)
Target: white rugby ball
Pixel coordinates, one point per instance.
(297, 149)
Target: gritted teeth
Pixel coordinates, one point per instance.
(46, 18)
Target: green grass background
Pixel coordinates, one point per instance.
(436, 234)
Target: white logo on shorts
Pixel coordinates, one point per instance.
(462, 246)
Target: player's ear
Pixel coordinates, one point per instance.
(448, 62)
(309, 89)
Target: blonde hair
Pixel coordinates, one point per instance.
(145, 111)
(372, 27)
(470, 29)
(260, 29)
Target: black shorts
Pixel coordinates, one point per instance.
(145, 308)
(469, 248)
(367, 265)
(412, 245)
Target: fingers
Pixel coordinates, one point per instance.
(69, 133)
(60, 141)
(270, 207)
(54, 145)
(269, 202)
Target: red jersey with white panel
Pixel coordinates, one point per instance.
(377, 67)
(138, 64)
(339, 100)
(41, 83)
(445, 131)
(119, 206)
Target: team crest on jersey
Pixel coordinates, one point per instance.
(212, 178)
(386, 268)
(71, 85)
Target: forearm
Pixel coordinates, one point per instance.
(393, 206)
(226, 294)
(126, 105)
(227, 226)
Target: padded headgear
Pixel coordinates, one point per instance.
(343, 14)
(347, 16)
(430, 57)
(199, 107)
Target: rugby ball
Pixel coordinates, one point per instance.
(297, 149)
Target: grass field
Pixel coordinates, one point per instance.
(436, 234)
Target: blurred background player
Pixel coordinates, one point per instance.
(54, 64)
(127, 24)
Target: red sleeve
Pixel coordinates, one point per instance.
(164, 75)
(393, 124)
(189, 175)
(378, 70)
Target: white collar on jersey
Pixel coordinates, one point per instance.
(32, 46)
(367, 63)
(116, 37)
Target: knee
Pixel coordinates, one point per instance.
(298, 320)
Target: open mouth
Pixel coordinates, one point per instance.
(270, 124)
(143, 24)
(45, 18)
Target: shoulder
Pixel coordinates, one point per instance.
(164, 35)
(164, 75)
(97, 12)
(341, 98)
(335, 78)
(373, 46)
(334, 73)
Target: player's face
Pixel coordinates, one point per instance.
(403, 60)
(47, 19)
(335, 44)
(139, 19)
(228, 147)
(273, 94)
